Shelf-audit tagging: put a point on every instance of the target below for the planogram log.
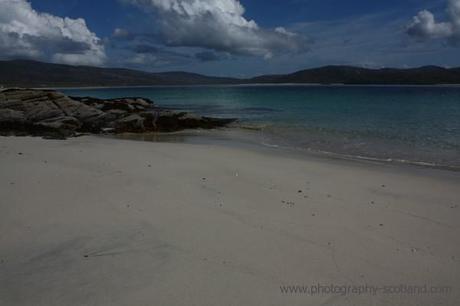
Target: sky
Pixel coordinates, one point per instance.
(230, 37)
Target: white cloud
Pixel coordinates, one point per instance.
(424, 26)
(120, 33)
(219, 25)
(25, 32)
(142, 59)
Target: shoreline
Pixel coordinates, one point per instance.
(122, 118)
(95, 220)
(245, 138)
(247, 85)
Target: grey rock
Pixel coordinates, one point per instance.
(77, 109)
(173, 121)
(11, 116)
(66, 123)
(131, 124)
(52, 114)
(130, 105)
(117, 112)
(12, 122)
(143, 103)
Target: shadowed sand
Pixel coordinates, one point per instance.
(94, 221)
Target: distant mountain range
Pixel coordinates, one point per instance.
(25, 73)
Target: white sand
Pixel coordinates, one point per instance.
(86, 221)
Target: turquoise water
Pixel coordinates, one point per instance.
(413, 124)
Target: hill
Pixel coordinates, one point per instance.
(24, 73)
(428, 75)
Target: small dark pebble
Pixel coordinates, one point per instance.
(150, 166)
(20, 153)
(380, 224)
(454, 206)
(313, 215)
(329, 196)
(300, 191)
(86, 256)
(11, 183)
(372, 202)
(204, 179)
(383, 186)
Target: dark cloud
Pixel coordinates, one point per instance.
(146, 49)
(159, 51)
(207, 56)
(63, 45)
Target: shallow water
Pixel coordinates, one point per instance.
(405, 123)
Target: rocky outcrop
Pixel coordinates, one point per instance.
(122, 104)
(168, 121)
(45, 113)
(132, 123)
(52, 114)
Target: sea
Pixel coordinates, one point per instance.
(401, 124)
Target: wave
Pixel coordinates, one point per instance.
(376, 150)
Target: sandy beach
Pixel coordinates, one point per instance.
(99, 221)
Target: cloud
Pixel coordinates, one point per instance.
(144, 48)
(425, 27)
(121, 33)
(24, 32)
(159, 51)
(209, 56)
(218, 25)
